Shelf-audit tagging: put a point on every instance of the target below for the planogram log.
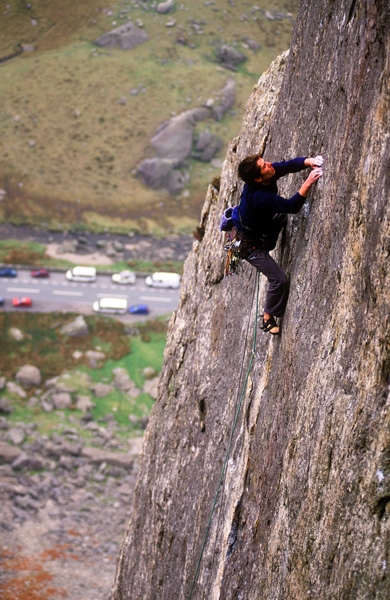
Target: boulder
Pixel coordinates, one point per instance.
(95, 358)
(8, 453)
(14, 388)
(29, 375)
(163, 173)
(150, 387)
(225, 100)
(126, 37)
(3, 381)
(5, 406)
(30, 463)
(61, 400)
(84, 403)
(122, 380)
(95, 455)
(16, 334)
(207, 146)
(102, 389)
(229, 56)
(77, 328)
(16, 436)
(175, 137)
(149, 372)
(165, 7)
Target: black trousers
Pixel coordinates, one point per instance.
(279, 287)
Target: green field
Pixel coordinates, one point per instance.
(72, 127)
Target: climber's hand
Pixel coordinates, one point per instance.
(316, 161)
(314, 175)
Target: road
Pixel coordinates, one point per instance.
(56, 293)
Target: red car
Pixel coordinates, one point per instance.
(24, 301)
(40, 273)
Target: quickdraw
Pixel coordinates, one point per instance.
(233, 256)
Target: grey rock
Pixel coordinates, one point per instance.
(61, 400)
(29, 375)
(95, 358)
(16, 436)
(2, 382)
(77, 328)
(119, 247)
(123, 383)
(8, 453)
(165, 7)
(29, 463)
(46, 406)
(225, 100)
(6, 407)
(161, 173)
(126, 37)
(14, 388)
(207, 146)
(94, 455)
(174, 138)
(102, 389)
(84, 403)
(16, 334)
(227, 55)
(151, 387)
(149, 372)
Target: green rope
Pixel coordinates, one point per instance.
(224, 466)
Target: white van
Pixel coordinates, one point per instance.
(111, 305)
(81, 274)
(163, 280)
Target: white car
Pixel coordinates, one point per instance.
(163, 280)
(124, 277)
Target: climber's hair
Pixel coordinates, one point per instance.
(248, 169)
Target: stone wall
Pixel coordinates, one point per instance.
(303, 509)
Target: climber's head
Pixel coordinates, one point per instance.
(254, 169)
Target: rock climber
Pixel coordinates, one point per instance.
(260, 217)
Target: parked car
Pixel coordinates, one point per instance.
(21, 301)
(139, 309)
(8, 272)
(81, 274)
(124, 277)
(40, 273)
(111, 305)
(163, 280)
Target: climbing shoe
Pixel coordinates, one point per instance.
(271, 326)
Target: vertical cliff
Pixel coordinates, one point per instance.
(298, 426)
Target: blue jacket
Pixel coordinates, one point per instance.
(260, 203)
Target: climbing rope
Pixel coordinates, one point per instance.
(240, 398)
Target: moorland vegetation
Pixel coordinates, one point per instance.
(76, 119)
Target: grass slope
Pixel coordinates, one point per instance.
(76, 120)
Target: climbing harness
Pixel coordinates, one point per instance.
(233, 242)
(238, 245)
(240, 399)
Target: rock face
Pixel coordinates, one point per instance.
(266, 464)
